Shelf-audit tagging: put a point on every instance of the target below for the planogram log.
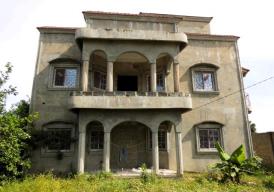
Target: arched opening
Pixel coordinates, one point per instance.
(98, 70)
(95, 146)
(129, 146)
(164, 77)
(130, 72)
(166, 143)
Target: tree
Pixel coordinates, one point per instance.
(13, 131)
(234, 165)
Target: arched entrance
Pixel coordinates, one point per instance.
(129, 146)
(131, 70)
(94, 146)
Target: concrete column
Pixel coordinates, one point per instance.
(155, 152)
(153, 77)
(85, 67)
(106, 160)
(81, 152)
(179, 153)
(110, 76)
(176, 77)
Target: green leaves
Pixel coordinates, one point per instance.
(238, 156)
(13, 131)
(222, 154)
(233, 165)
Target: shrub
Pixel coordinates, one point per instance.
(232, 166)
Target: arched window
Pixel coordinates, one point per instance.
(207, 134)
(96, 131)
(204, 78)
(59, 136)
(64, 73)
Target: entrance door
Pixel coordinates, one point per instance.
(127, 83)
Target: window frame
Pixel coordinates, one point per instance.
(95, 128)
(53, 67)
(45, 151)
(208, 126)
(205, 69)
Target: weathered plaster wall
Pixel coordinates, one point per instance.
(52, 104)
(227, 111)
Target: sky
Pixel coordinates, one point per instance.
(251, 20)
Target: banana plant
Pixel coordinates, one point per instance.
(232, 166)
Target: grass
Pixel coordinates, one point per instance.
(106, 182)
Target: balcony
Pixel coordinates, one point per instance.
(130, 100)
(124, 34)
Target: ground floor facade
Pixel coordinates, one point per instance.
(114, 140)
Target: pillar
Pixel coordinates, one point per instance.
(153, 76)
(110, 76)
(179, 153)
(155, 152)
(106, 157)
(176, 76)
(85, 67)
(81, 152)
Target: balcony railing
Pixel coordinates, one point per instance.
(130, 100)
(129, 93)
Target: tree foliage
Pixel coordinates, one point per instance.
(13, 131)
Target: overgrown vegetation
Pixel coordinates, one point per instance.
(234, 165)
(13, 132)
(106, 182)
(145, 176)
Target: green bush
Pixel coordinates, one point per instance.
(13, 132)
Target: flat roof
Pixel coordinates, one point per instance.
(148, 16)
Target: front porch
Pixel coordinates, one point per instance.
(122, 140)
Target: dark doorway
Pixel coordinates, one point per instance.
(127, 83)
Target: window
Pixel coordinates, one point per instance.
(58, 136)
(97, 139)
(204, 79)
(160, 82)
(100, 80)
(207, 135)
(162, 139)
(96, 132)
(65, 77)
(58, 139)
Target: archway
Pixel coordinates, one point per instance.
(94, 146)
(98, 70)
(131, 70)
(129, 146)
(167, 145)
(164, 78)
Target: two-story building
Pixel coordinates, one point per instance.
(139, 88)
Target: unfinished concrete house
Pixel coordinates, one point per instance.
(129, 89)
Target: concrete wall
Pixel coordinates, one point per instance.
(228, 111)
(263, 144)
(52, 104)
